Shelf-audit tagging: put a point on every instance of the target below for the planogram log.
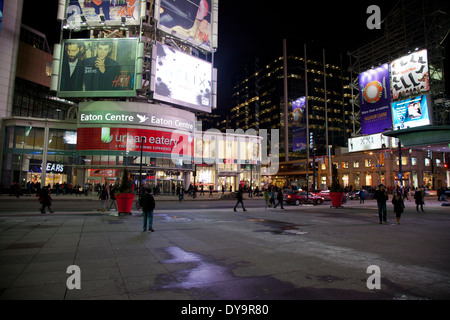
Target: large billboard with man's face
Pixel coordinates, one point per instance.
(98, 68)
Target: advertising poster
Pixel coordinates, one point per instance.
(189, 20)
(375, 100)
(1, 14)
(181, 79)
(411, 113)
(98, 68)
(81, 14)
(299, 142)
(410, 76)
(129, 139)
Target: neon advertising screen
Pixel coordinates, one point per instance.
(375, 100)
(181, 79)
(411, 113)
(129, 140)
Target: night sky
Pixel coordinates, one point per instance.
(250, 28)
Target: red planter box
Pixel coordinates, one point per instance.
(124, 202)
(336, 199)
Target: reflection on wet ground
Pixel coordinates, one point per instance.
(280, 227)
(207, 279)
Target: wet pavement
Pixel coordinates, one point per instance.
(205, 251)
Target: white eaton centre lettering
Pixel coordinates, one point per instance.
(108, 117)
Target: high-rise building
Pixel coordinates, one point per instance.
(258, 99)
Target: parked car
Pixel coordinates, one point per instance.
(287, 192)
(354, 194)
(324, 194)
(299, 197)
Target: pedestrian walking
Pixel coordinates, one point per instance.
(181, 194)
(399, 205)
(266, 197)
(418, 197)
(279, 198)
(239, 199)
(147, 202)
(103, 197)
(381, 196)
(45, 199)
(112, 198)
(362, 196)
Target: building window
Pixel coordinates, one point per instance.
(414, 161)
(427, 162)
(355, 164)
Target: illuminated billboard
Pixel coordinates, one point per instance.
(375, 100)
(194, 21)
(411, 113)
(78, 15)
(299, 124)
(98, 67)
(370, 142)
(410, 76)
(129, 140)
(181, 79)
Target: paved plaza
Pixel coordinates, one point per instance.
(202, 250)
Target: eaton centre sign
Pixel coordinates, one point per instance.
(134, 118)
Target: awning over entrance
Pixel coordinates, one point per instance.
(229, 173)
(434, 138)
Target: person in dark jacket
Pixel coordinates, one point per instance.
(418, 197)
(45, 199)
(147, 202)
(381, 196)
(279, 198)
(398, 203)
(239, 199)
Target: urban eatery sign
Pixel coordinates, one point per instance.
(134, 118)
(130, 139)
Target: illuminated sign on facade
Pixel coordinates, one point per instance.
(129, 139)
(98, 68)
(375, 100)
(411, 113)
(83, 14)
(370, 142)
(181, 79)
(410, 75)
(134, 118)
(194, 21)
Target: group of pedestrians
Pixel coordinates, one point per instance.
(382, 197)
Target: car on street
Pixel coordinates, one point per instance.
(325, 194)
(300, 197)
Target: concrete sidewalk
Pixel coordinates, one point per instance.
(215, 254)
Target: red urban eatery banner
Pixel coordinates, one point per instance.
(128, 139)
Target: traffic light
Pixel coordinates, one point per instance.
(446, 166)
